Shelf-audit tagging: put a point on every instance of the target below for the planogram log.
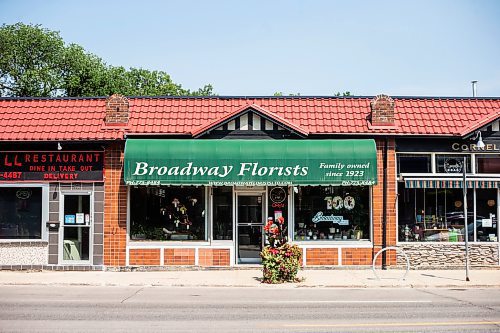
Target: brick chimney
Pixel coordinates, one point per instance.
(382, 111)
(117, 110)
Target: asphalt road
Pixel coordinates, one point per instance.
(273, 309)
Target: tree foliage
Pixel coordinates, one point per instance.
(279, 93)
(36, 62)
(337, 94)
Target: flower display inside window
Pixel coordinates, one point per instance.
(332, 213)
(167, 213)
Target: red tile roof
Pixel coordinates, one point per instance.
(54, 120)
(317, 115)
(83, 119)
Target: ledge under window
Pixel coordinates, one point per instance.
(23, 242)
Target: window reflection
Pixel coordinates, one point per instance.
(223, 213)
(332, 213)
(437, 214)
(20, 213)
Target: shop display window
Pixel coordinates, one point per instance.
(332, 213)
(437, 215)
(452, 163)
(278, 202)
(486, 215)
(21, 213)
(174, 213)
(223, 213)
(413, 163)
(487, 164)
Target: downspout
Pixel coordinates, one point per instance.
(384, 204)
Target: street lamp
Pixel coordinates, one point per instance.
(480, 144)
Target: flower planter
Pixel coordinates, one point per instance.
(280, 259)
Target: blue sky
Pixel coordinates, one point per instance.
(411, 48)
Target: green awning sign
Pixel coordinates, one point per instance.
(250, 162)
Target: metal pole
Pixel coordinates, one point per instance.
(466, 230)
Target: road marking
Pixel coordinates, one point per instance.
(343, 302)
(396, 324)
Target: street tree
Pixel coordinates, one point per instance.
(29, 61)
(36, 62)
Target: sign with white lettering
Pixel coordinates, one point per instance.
(250, 162)
(319, 217)
(453, 165)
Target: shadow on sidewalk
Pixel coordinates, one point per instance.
(440, 277)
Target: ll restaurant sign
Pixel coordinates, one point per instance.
(70, 166)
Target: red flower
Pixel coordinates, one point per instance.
(281, 220)
(273, 251)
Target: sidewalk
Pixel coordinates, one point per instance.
(313, 278)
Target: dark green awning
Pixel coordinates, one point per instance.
(250, 162)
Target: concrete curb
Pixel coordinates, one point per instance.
(251, 279)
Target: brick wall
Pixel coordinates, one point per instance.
(144, 257)
(115, 207)
(357, 256)
(322, 256)
(179, 256)
(382, 111)
(377, 199)
(213, 257)
(117, 110)
(349, 256)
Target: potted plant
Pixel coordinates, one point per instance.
(137, 231)
(280, 259)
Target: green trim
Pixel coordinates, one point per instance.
(250, 162)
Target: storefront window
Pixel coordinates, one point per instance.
(486, 215)
(223, 213)
(418, 163)
(278, 202)
(20, 213)
(332, 213)
(167, 213)
(487, 164)
(434, 214)
(449, 163)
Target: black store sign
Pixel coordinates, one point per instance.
(492, 145)
(69, 166)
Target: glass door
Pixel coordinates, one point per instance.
(76, 231)
(250, 222)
